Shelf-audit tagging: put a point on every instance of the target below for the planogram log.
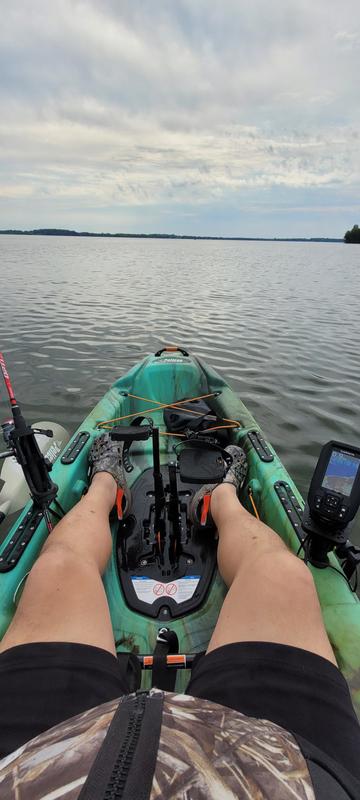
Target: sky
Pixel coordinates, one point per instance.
(208, 117)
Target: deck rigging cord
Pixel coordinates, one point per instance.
(252, 501)
(106, 424)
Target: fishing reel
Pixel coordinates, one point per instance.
(21, 442)
(20, 439)
(8, 428)
(332, 503)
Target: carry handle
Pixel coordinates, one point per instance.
(171, 350)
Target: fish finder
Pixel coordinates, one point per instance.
(334, 494)
(333, 499)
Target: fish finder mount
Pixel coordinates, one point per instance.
(332, 503)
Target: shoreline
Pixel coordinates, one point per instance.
(65, 232)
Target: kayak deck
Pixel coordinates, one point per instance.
(152, 384)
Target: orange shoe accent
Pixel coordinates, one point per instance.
(205, 509)
(119, 499)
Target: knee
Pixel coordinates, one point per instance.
(57, 560)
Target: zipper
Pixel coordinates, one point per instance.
(122, 765)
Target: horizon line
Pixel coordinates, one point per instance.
(69, 232)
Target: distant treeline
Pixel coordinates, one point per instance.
(353, 235)
(62, 232)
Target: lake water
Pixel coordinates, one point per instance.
(279, 320)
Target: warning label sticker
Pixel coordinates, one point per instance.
(149, 590)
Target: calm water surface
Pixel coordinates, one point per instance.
(279, 320)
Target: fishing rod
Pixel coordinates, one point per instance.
(21, 441)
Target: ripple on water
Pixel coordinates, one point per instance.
(251, 309)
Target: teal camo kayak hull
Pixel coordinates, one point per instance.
(157, 381)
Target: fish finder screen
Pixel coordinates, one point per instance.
(341, 472)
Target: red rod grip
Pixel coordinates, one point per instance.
(7, 380)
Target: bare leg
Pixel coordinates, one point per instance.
(272, 595)
(64, 598)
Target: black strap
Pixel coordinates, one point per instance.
(167, 643)
(140, 759)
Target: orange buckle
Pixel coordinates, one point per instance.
(205, 509)
(119, 499)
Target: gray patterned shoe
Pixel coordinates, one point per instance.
(199, 510)
(107, 456)
(236, 474)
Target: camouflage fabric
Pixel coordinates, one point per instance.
(205, 751)
(209, 751)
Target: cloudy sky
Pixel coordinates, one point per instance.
(229, 117)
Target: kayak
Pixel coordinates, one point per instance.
(174, 414)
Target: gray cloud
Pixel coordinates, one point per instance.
(139, 105)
